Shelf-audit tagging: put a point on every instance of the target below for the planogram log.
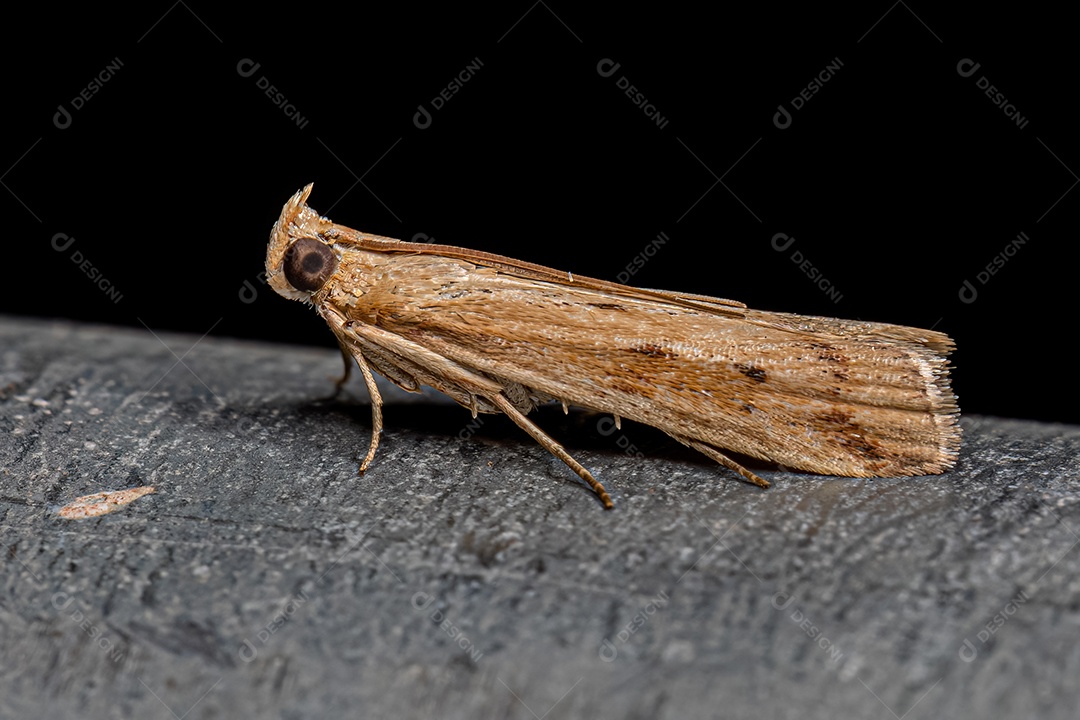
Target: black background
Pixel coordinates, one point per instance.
(899, 180)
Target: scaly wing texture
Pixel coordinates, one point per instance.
(818, 394)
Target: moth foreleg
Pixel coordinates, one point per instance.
(376, 412)
(551, 446)
(721, 458)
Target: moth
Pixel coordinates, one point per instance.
(498, 335)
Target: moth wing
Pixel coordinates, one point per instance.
(818, 394)
(513, 267)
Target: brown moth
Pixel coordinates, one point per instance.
(829, 396)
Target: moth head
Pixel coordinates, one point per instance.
(298, 260)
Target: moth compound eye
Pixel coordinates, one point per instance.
(309, 264)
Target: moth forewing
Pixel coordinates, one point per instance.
(824, 395)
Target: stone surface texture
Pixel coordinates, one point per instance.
(469, 574)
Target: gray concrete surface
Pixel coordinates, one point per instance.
(468, 575)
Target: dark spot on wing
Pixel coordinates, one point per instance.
(849, 434)
(862, 446)
(835, 417)
(752, 371)
(828, 353)
(655, 351)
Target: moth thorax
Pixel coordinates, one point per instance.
(309, 264)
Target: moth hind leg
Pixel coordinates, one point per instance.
(506, 406)
(376, 412)
(347, 359)
(376, 400)
(715, 454)
(340, 382)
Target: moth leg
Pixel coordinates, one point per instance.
(347, 358)
(721, 458)
(553, 447)
(376, 412)
(444, 374)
